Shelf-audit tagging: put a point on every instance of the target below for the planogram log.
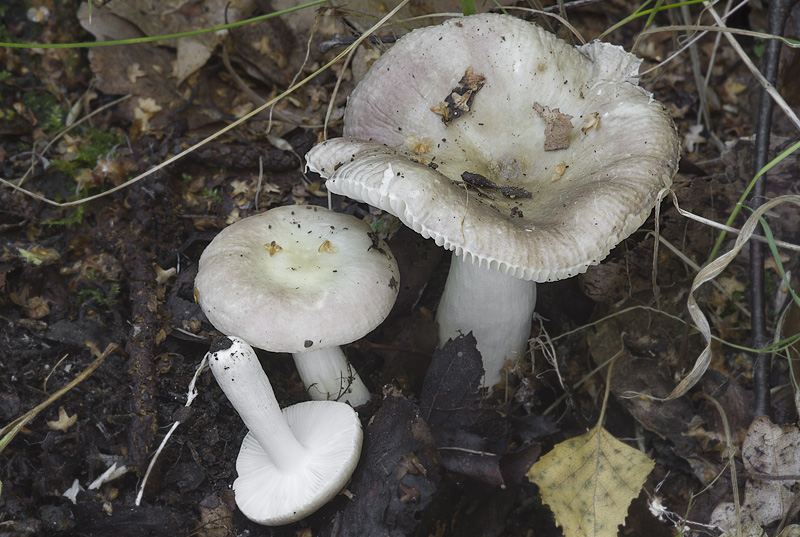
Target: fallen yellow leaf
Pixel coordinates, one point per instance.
(589, 481)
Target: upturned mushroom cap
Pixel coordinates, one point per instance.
(494, 83)
(331, 432)
(296, 279)
(293, 461)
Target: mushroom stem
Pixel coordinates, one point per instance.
(495, 307)
(235, 365)
(329, 376)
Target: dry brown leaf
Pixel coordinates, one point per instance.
(161, 18)
(64, 421)
(559, 126)
(772, 450)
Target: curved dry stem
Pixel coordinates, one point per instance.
(708, 273)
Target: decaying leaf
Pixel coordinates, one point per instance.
(157, 18)
(64, 421)
(589, 481)
(216, 514)
(145, 109)
(750, 529)
(470, 439)
(39, 255)
(770, 450)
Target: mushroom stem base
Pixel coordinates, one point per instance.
(495, 307)
(329, 376)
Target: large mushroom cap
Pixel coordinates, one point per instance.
(296, 279)
(545, 214)
(331, 434)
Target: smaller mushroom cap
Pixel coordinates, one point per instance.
(296, 279)
(331, 434)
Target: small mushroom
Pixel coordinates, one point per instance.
(291, 462)
(302, 280)
(508, 222)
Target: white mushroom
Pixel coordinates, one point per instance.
(302, 280)
(291, 462)
(464, 131)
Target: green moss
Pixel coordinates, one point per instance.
(106, 299)
(212, 194)
(45, 107)
(97, 143)
(770, 285)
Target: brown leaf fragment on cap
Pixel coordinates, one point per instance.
(273, 248)
(592, 121)
(459, 100)
(559, 171)
(327, 248)
(418, 145)
(472, 81)
(443, 110)
(556, 134)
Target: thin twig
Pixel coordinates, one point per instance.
(778, 11)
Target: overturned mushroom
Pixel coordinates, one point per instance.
(573, 194)
(293, 461)
(303, 280)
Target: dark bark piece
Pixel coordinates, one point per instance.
(153, 224)
(397, 477)
(137, 260)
